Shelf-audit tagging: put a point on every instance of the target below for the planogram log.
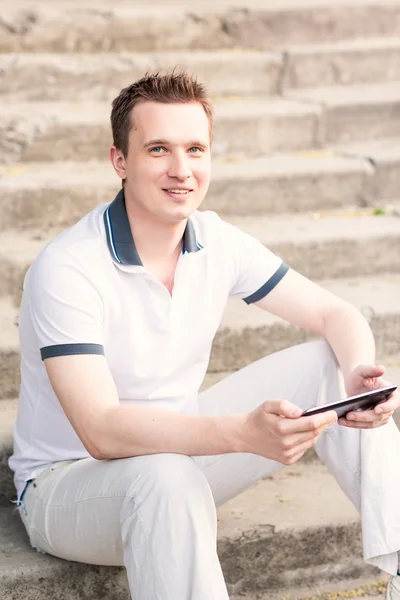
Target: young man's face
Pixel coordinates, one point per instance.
(168, 166)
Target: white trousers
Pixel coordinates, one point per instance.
(157, 514)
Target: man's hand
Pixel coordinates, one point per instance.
(276, 430)
(365, 378)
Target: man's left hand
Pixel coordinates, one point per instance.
(365, 378)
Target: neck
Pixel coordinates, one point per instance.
(154, 240)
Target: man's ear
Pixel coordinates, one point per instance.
(118, 162)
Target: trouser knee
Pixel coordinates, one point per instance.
(173, 482)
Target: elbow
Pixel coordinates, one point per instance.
(96, 449)
(97, 454)
(95, 436)
(342, 321)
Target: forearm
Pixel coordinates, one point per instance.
(350, 337)
(125, 431)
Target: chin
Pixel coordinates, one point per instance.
(180, 213)
(179, 216)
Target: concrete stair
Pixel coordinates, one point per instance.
(76, 77)
(246, 333)
(245, 127)
(81, 132)
(305, 241)
(306, 158)
(103, 27)
(58, 194)
(263, 531)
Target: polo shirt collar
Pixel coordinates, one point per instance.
(119, 235)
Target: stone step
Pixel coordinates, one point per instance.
(275, 512)
(317, 244)
(384, 155)
(24, 573)
(392, 374)
(74, 77)
(367, 587)
(171, 26)
(40, 132)
(352, 62)
(355, 113)
(246, 332)
(272, 537)
(9, 406)
(277, 509)
(8, 414)
(57, 194)
(9, 353)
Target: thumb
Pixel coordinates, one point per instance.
(282, 408)
(370, 370)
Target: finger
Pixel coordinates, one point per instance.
(298, 452)
(363, 425)
(389, 406)
(363, 416)
(282, 408)
(307, 424)
(292, 441)
(371, 371)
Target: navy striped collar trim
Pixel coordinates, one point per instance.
(119, 235)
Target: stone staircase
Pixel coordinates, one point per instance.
(306, 158)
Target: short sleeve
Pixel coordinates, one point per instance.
(257, 269)
(64, 306)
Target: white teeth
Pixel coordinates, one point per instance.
(179, 191)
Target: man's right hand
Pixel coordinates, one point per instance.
(276, 430)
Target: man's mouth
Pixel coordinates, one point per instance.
(178, 191)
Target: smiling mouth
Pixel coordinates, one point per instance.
(178, 191)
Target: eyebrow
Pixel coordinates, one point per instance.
(159, 142)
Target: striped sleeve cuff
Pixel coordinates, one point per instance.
(70, 349)
(268, 286)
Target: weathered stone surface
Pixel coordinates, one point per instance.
(355, 113)
(24, 573)
(247, 333)
(82, 132)
(385, 157)
(58, 194)
(18, 132)
(271, 537)
(43, 203)
(245, 128)
(105, 28)
(9, 361)
(8, 413)
(100, 77)
(349, 63)
(279, 184)
(318, 245)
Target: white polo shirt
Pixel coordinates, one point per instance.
(88, 293)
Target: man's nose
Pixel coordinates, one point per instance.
(180, 167)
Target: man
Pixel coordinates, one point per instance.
(118, 460)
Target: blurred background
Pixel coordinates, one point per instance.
(306, 158)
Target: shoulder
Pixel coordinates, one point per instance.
(80, 248)
(212, 229)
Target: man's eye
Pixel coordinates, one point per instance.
(196, 148)
(157, 149)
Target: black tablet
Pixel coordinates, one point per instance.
(360, 402)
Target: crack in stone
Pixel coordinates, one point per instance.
(21, 24)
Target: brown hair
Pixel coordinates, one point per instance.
(169, 87)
